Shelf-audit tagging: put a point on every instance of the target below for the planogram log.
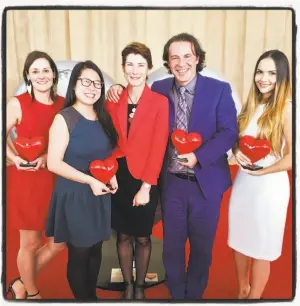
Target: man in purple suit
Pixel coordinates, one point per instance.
(192, 189)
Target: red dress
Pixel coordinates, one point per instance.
(28, 193)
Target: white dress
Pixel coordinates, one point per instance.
(258, 207)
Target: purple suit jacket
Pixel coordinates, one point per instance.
(213, 116)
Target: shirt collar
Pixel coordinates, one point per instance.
(190, 87)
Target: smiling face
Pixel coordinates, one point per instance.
(85, 89)
(135, 70)
(266, 76)
(183, 61)
(41, 75)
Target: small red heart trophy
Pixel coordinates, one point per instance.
(185, 142)
(254, 149)
(104, 170)
(30, 148)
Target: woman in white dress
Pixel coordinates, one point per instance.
(259, 199)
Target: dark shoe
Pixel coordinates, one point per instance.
(11, 289)
(32, 295)
(129, 290)
(139, 292)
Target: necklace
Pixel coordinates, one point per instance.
(131, 115)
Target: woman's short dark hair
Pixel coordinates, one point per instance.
(33, 56)
(102, 114)
(196, 48)
(137, 48)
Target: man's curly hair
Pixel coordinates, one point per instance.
(196, 48)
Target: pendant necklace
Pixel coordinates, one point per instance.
(131, 115)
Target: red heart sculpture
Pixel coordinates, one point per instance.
(186, 142)
(30, 148)
(104, 170)
(253, 148)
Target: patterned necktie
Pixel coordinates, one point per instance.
(181, 116)
(181, 122)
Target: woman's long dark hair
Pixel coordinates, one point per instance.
(103, 116)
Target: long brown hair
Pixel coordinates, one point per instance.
(270, 123)
(31, 57)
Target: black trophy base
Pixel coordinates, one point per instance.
(28, 165)
(110, 188)
(252, 167)
(182, 160)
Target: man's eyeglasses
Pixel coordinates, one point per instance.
(87, 83)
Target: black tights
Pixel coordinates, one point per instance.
(142, 256)
(82, 271)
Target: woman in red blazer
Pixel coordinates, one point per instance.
(141, 120)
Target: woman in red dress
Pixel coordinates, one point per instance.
(29, 189)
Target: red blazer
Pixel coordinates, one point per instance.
(146, 144)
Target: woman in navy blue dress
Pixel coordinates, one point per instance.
(80, 209)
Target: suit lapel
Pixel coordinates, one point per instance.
(164, 88)
(200, 103)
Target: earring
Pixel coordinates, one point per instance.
(29, 87)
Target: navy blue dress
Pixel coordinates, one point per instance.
(76, 215)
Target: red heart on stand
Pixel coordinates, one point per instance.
(104, 170)
(254, 149)
(30, 148)
(186, 142)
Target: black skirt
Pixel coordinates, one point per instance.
(127, 219)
